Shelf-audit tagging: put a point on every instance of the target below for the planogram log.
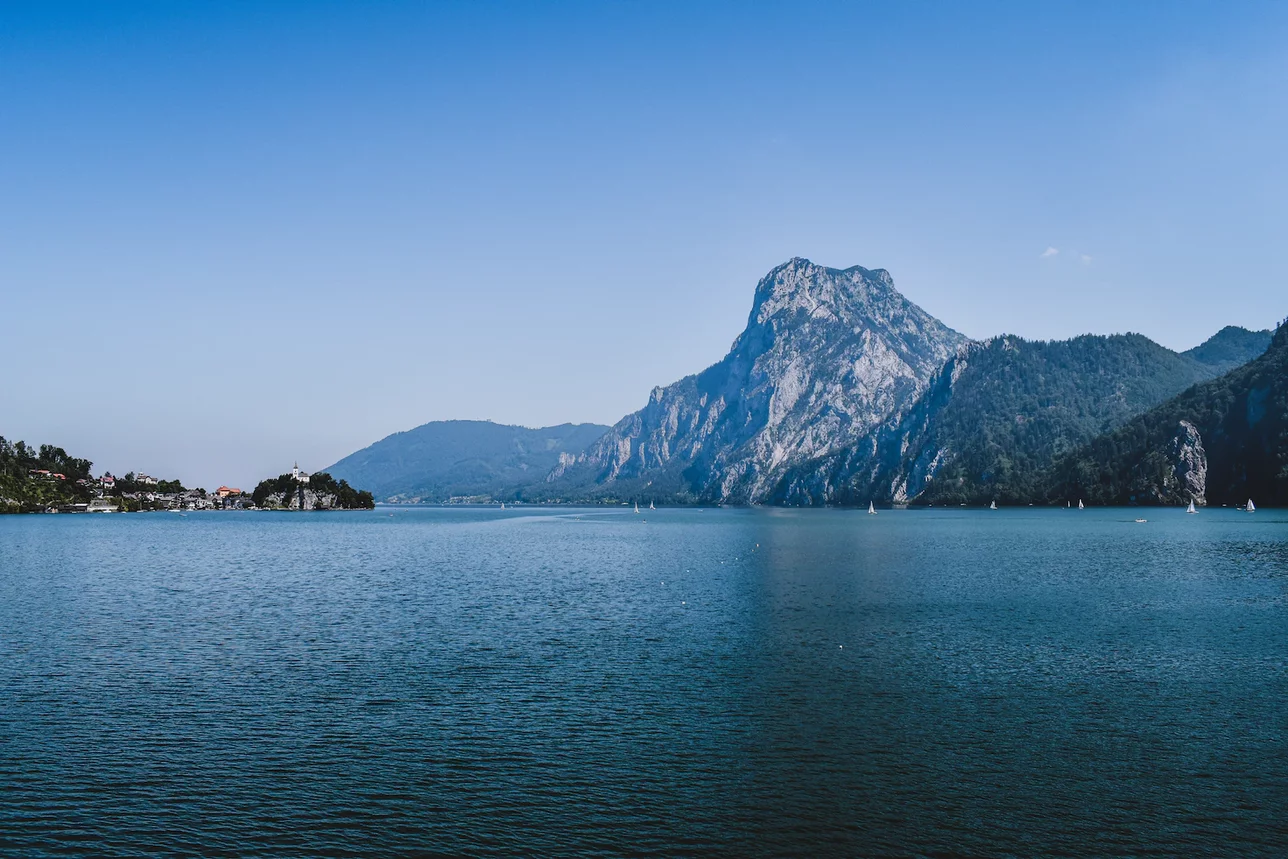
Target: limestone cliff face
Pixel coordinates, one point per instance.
(827, 356)
(1174, 473)
(1189, 464)
(892, 463)
(312, 501)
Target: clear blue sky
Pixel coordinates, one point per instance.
(237, 234)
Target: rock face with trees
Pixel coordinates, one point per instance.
(1220, 442)
(321, 491)
(1000, 414)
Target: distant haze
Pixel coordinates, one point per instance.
(234, 237)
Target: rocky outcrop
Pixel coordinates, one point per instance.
(826, 357)
(319, 491)
(311, 501)
(1189, 464)
(1173, 473)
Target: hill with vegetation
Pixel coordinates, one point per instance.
(1230, 347)
(442, 460)
(996, 418)
(1221, 442)
(320, 492)
(33, 479)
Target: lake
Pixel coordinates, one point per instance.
(422, 682)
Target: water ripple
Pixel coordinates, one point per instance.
(743, 683)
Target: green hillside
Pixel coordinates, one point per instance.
(53, 481)
(1230, 347)
(1241, 423)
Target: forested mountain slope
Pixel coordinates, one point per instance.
(996, 418)
(1221, 442)
(1230, 347)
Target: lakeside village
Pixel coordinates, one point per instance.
(141, 492)
(47, 480)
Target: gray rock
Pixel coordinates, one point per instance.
(1189, 465)
(312, 501)
(826, 357)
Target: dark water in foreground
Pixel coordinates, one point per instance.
(745, 683)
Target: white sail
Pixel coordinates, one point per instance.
(872, 510)
(1080, 504)
(637, 507)
(650, 506)
(1191, 509)
(1252, 508)
(992, 505)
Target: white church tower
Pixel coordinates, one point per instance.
(299, 475)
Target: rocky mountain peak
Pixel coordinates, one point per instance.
(827, 355)
(800, 286)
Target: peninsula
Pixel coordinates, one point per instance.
(46, 479)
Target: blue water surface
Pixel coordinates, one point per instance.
(443, 682)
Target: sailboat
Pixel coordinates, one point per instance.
(502, 505)
(1191, 509)
(1251, 508)
(637, 507)
(650, 506)
(872, 510)
(1080, 507)
(992, 505)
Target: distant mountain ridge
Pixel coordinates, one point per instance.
(441, 460)
(826, 355)
(1230, 347)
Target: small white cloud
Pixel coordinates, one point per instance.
(1050, 252)
(1085, 259)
